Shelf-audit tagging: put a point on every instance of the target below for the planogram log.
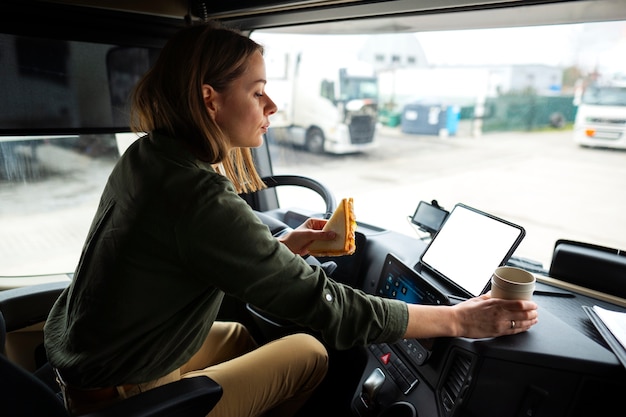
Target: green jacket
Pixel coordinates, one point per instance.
(169, 238)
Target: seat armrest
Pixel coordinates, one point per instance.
(188, 397)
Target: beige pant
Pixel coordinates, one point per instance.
(271, 380)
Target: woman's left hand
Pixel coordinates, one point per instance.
(299, 239)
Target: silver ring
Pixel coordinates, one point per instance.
(512, 324)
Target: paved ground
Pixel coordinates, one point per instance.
(542, 181)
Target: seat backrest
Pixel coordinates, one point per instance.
(22, 308)
(591, 266)
(22, 393)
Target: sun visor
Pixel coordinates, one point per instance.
(52, 85)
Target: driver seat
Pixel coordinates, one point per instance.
(25, 393)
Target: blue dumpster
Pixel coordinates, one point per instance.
(430, 119)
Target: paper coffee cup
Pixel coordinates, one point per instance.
(512, 283)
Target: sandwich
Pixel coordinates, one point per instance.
(342, 222)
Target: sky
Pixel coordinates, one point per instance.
(588, 46)
(585, 45)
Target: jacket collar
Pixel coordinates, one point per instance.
(176, 150)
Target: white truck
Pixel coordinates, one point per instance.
(601, 116)
(323, 105)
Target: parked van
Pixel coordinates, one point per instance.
(601, 117)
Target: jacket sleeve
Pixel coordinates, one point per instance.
(225, 243)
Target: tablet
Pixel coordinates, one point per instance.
(470, 245)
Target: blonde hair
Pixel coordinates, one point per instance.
(169, 96)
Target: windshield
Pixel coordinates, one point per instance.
(605, 96)
(353, 88)
(481, 117)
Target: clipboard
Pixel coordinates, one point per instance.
(615, 345)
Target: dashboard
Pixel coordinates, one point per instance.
(561, 366)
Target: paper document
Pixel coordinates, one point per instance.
(612, 327)
(615, 321)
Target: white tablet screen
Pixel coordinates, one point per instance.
(470, 246)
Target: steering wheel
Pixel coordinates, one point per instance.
(278, 228)
(296, 180)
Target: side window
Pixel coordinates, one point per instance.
(327, 90)
(50, 183)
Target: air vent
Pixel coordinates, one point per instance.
(456, 380)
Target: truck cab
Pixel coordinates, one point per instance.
(67, 68)
(325, 104)
(601, 116)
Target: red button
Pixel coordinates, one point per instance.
(385, 358)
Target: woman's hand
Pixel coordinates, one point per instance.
(488, 317)
(475, 318)
(299, 239)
